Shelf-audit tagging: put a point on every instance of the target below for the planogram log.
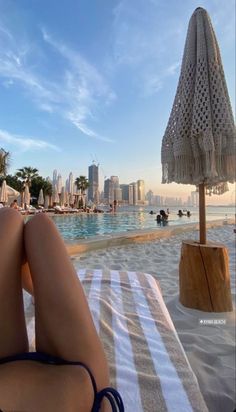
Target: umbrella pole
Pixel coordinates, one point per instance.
(202, 214)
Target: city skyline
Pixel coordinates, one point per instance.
(160, 199)
(81, 82)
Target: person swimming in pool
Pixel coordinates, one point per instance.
(68, 371)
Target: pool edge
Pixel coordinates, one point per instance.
(137, 236)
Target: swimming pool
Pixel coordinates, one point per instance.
(77, 227)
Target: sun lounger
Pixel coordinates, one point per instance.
(64, 209)
(147, 361)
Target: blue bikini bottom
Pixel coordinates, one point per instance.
(110, 393)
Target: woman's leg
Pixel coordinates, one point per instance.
(64, 326)
(26, 279)
(13, 336)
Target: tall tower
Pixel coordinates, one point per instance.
(108, 191)
(133, 193)
(141, 190)
(59, 183)
(71, 184)
(54, 178)
(93, 183)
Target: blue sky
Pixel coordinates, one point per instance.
(95, 80)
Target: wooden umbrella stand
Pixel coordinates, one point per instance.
(204, 279)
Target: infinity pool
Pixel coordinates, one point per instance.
(77, 227)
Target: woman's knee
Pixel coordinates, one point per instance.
(37, 225)
(11, 217)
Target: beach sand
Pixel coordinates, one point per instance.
(209, 348)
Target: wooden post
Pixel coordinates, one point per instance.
(204, 277)
(202, 214)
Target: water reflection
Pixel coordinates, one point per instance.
(82, 226)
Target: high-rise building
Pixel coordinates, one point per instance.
(133, 193)
(108, 191)
(118, 194)
(71, 183)
(115, 181)
(93, 183)
(59, 183)
(194, 198)
(112, 190)
(150, 198)
(125, 193)
(141, 190)
(54, 178)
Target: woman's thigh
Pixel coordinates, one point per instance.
(13, 337)
(64, 325)
(35, 387)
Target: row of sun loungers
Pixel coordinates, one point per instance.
(31, 210)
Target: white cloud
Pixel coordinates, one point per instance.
(26, 143)
(85, 129)
(78, 93)
(171, 70)
(153, 82)
(143, 43)
(84, 88)
(14, 68)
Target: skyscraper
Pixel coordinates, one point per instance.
(71, 184)
(133, 193)
(93, 183)
(108, 191)
(141, 190)
(125, 192)
(54, 178)
(59, 183)
(115, 181)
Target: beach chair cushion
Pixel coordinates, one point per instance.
(147, 362)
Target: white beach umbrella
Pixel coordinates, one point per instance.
(46, 202)
(3, 192)
(66, 197)
(55, 197)
(62, 197)
(41, 198)
(198, 146)
(75, 189)
(26, 195)
(12, 192)
(71, 199)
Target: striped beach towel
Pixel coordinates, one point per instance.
(147, 362)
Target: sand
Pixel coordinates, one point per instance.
(209, 348)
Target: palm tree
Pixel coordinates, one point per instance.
(27, 174)
(15, 183)
(82, 184)
(47, 188)
(4, 162)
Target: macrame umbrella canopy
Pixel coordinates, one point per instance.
(198, 146)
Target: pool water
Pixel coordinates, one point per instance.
(82, 226)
